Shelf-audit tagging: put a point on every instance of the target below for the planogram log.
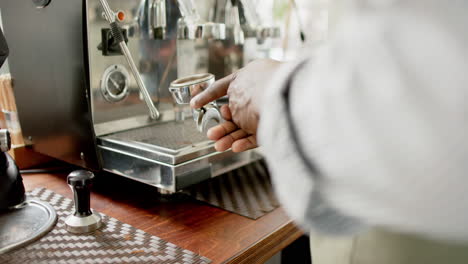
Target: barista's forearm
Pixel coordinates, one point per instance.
(284, 135)
(383, 123)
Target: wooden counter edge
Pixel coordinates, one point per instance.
(268, 246)
(257, 252)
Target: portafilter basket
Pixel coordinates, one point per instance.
(184, 89)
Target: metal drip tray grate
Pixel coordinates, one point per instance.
(171, 142)
(173, 135)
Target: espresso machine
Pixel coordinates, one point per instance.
(92, 78)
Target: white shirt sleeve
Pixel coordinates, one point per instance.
(373, 131)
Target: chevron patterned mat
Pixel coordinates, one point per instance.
(246, 191)
(116, 242)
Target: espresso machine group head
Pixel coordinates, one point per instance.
(98, 83)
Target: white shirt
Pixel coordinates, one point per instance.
(381, 114)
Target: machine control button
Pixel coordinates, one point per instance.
(120, 15)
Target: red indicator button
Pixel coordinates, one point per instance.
(120, 16)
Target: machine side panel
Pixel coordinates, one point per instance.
(49, 70)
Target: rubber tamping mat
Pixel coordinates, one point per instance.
(115, 242)
(246, 191)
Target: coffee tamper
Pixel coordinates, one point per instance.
(83, 220)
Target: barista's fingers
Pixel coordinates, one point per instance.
(215, 91)
(244, 144)
(226, 112)
(221, 130)
(226, 142)
(221, 146)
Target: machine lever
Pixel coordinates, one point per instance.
(118, 36)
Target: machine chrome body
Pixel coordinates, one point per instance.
(78, 102)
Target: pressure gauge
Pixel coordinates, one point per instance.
(114, 83)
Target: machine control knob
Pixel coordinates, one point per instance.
(5, 140)
(83, 220)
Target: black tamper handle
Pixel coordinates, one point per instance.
(80, 182)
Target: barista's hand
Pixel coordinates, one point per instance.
(229, 135)
(244, 89)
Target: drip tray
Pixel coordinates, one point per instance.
(25, 223)
(171, 142)
(170, 156)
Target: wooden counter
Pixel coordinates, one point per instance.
(219, 235)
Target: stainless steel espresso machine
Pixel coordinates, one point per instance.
(92, 78)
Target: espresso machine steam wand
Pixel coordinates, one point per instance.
(112, 18)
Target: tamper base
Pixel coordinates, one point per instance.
(81, 225)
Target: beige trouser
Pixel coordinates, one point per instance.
(381, 247)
